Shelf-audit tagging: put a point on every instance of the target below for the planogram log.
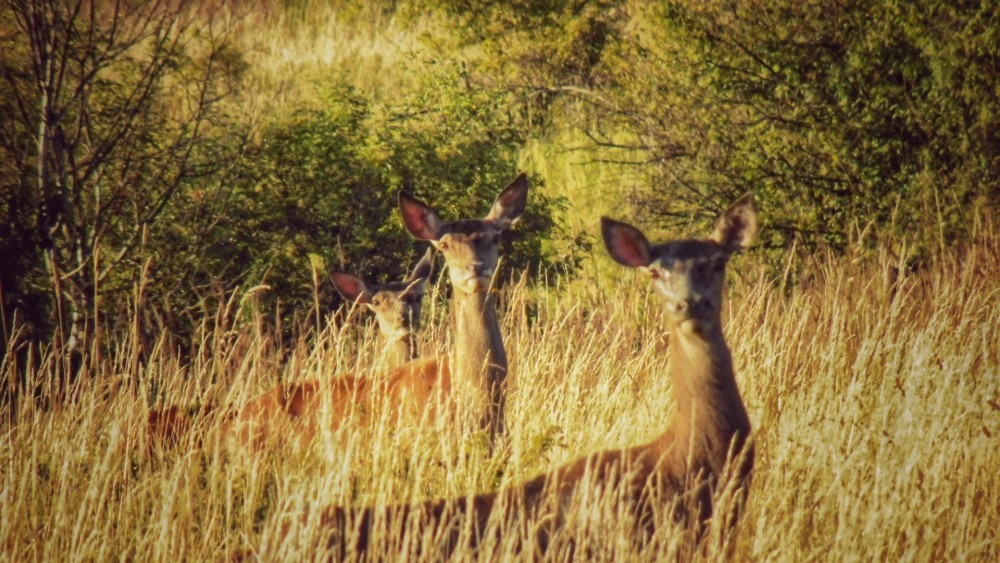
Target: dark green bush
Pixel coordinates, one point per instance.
(103, 122)
(839, 115)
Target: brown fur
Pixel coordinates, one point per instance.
(166, 427)
(294, 410)
(295, 406)
(682, 464)
(480, 359)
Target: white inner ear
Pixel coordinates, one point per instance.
(737, 227)
(503, 214)
(433, 223)
(413, 284)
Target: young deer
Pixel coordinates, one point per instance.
(298, 407)
(478, 365)
(397, 307)
(704, 447)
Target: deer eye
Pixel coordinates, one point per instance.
(443, 245)
(377, 301)
(654, 273)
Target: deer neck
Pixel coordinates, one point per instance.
(400, 350)
(479, 354)
(708, 409)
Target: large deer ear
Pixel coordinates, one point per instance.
(419, 219)
(737, 226)
(510, 204)
(352, 288)
(421, 272)
(625, 243)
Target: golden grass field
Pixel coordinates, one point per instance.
(874, 393)
(873, 389)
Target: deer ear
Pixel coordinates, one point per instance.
(419, 219)
(421, 272)
(352, 288)
(737, 226)
(625, 243)
(510, 204)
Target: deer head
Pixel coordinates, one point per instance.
(396, 304)
(469, 246)
(688, 274)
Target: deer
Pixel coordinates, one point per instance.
(477, 369)
(299, 406)
(706, 445)
(397, 307)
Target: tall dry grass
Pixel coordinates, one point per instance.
(296, 49)
(874, 391)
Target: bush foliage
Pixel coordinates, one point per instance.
(867, 113)
(178, 206)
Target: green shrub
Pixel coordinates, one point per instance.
(870, 114)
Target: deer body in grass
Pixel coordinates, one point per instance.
(302, 408)
(397, 307)
(704, 447)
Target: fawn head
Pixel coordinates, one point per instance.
(688, 274)
(469, 246)
(396, 304)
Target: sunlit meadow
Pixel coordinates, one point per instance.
(873, 386)
(873, 390)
